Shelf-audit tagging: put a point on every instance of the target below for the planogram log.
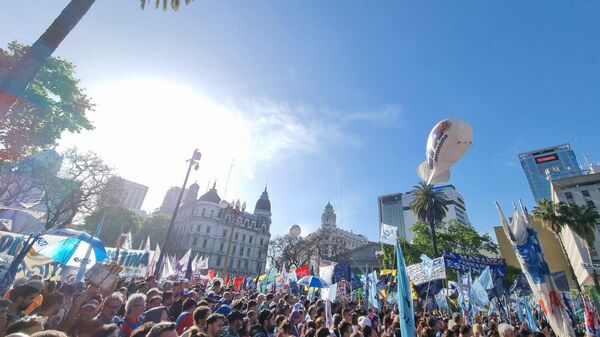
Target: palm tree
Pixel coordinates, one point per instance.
(16, 79)
(430, 206)
(583, 220)
(552, 216)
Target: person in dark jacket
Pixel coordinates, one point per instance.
(265, 323)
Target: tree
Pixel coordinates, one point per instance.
(430, 206)
(19, 76)
(155, 227)
(76, 189)
(290, 251)
(117, 220)
(51, 104)
(551, 216)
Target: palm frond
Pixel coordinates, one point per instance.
(174, 4)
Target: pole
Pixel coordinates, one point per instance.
(193, 162)
(86, 259)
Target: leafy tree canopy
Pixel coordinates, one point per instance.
(53, 103)
(117, 220)
(155, 226)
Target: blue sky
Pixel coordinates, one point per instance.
(329, 100)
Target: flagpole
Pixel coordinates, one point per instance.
(82, 266)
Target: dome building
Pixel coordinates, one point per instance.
(204, 227)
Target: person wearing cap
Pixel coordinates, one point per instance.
(235, 320)
(186, 318)
(265, 323)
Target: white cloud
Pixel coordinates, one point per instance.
(146, 128)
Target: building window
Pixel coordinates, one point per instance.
(224, 232)
(261, 241)
(204, 243)
(246, 264)
(238, 263)
(250, 239)
(212, 213)
(207, 229)
(219, 260)
(243, 237)
(569, 196)
(590, 204)
(585, 193)
(198, 228)
(221, 246)
(241, 251)
(203, 211)
(234, 247)
(248, 251)
(236, 236)
(195, 241)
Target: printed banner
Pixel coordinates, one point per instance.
(472, 264)
(389, 234)
(134, 262)
(418, 276)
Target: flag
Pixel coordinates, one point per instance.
(526, 244)
(480, 286)
(529, 317)
(147, 244)
(440, 299)
(153, 261)
(373, 300)
(126, 245)
(7, 223)
(211, 274)
(427, 265)
(237, 283)
(203, 264)
(169, 268)
(302, 271)
(389, 234)
(227, 279)
(405, 303)
(326, 273)
(181, 265)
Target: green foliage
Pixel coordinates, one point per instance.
(155, 226)
(429, 205)
(451, 235)
(511, 275)
(389, 256)
(117, 220)
(54, 102)
(582, 220)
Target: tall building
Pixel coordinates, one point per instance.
(391, 212)
(334, 240)
(539, 165)
(205, 228)
(131, 194)
(170, 200)
(456, 208)
(583, 190)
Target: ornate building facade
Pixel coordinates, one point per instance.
(333, 241)
(205, 228)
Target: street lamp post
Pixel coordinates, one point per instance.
(235, 210)
(193, 163)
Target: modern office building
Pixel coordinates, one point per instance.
(131, 194)
(170, 200)
(539, 165)
(205, 228)
(391, 212)
(456, 208)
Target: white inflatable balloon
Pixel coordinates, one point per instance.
(448, 141)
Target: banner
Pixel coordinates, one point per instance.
(472, 264)
(389, 234)
(418, 276)
(134, 262)
(326, 273)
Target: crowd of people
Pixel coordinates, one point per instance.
(144, 308)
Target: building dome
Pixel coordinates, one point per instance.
(263, 204)
(211, 195)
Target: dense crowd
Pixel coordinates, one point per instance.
(144, 308)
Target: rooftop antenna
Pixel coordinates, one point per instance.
(228, 177)
(207, 185)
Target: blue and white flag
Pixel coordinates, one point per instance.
(526, 244)
(427, 265)
(405, 301)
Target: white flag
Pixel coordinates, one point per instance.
(153, 261)
(202, 264)
(181, 265)
(389, 234)
(169, 269)
(126, 245)
(147, 244)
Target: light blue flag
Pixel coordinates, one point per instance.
(373, 301)
(405, 301)
(440, 299)
(519, 310)
(479, 287)
(530, 319)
